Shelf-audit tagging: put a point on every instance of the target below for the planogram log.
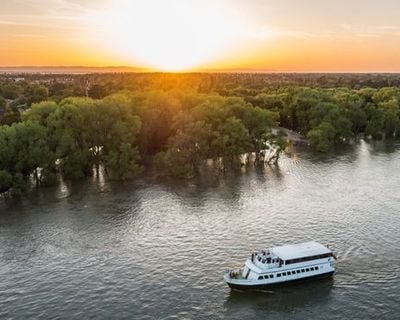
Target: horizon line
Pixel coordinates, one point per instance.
(134, 69)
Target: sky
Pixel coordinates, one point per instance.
(186, 35)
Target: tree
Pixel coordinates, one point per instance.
(230, 139)
(10, 89)
(375, 121)
(97, 91)
(74, 122)
(94, 132)
(10, 116)
(391, 119)
(23, 151)
(36, 93)
(123, 164)
(157, 113)
(186, 149)
(257, 121)
(322, 137)
(40, 112)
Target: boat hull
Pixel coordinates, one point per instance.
(279, 284)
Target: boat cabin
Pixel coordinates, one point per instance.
(284, 257)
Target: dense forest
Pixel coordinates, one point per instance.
(74, 124)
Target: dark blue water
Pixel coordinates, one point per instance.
(157, 250)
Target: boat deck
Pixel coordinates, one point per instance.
(236, 275)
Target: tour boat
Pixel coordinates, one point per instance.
(281, 265)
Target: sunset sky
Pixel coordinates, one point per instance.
(184, 35)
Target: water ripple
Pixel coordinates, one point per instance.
(157, 250)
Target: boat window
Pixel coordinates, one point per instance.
(260, 277)
(271, 276)
(266, 277)
(307, 270)
(312, 269)
(263, 261)
(268, 260)
(320, 256)
(302, 270)
(284, 273)
(259, 258)
(316, 268)
(278, 275)
(289, 273)
(298, 271)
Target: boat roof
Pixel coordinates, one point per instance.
(300, 250)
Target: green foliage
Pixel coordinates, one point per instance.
(123, 164)
(6, 181)
(94, 132)
(230, 140)
(214, 128)
(97, 91)
(10, 89)
(23, 150)
(371, 112)
(322, 137)
(179, 121)
(23, 147)
(36, 93)
(173, 163)
(11, 115)
(40, 112)
(190, 145)
(375, 121)
(77, 164)
(157, 113)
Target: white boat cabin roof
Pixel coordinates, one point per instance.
(300, 250)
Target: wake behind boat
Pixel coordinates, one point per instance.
(284, 264)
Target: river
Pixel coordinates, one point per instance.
(157, 250)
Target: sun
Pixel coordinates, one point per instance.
(174, 35)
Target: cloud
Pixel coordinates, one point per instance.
(343, 31)
(28, 12)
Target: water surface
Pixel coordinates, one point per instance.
(157, 250)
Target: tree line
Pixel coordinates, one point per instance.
(328, 117)
(124, 132)
(176, 122)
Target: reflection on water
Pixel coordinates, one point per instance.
(152, 249)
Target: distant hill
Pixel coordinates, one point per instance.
(69, 70)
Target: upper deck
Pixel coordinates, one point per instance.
(294, 252)
(288, 259)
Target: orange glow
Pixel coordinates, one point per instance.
(186, 35)
(170, 35)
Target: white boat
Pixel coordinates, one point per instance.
(281, 265)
